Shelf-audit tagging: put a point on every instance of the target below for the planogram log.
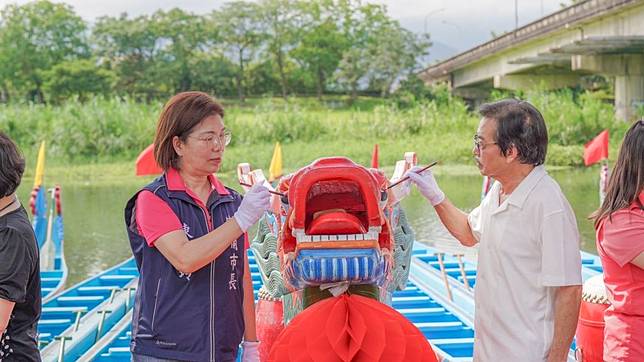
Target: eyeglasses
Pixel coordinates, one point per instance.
(219, 141)
(479, 145)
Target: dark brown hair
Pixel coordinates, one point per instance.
(520, 124)
(12, 166)
(180, 115)
(627, 179)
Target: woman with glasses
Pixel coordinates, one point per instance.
(620, 243)
(194, 300)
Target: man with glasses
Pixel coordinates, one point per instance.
(528, 285)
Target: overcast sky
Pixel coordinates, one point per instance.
(454, 25)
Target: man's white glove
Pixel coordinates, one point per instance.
(250, 351)
(426, 184)
(255, 202)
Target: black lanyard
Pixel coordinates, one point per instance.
(7, 206)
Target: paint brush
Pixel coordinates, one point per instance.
(407, 177)
(272, 192)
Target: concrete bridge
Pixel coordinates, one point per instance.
(604, 37)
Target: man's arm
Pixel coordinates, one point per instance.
(456, 222)
(567, 300)
(6, 307)
(454, 219)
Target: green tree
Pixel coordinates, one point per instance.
(214, 73)
(129, 47)
(79, 78)
(181, 36)
(394, 54)
(322, 43)
(281, 20)
(241, 35)
(360, 24)
(34, 38)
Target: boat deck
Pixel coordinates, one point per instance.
(449, 335)
(63, 310)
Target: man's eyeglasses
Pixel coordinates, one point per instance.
(219, 141)
(479, 145)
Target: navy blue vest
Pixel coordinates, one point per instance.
(195, 317)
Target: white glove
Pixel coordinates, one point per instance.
(426, 184)
(255, 202)
(250, 351)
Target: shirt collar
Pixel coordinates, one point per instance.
(175, 182)
(520, 194)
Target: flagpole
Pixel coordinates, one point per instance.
(603, 180)
(596, 150)
(485, 187)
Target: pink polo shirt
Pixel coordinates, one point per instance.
(619, 240)
(155, 218)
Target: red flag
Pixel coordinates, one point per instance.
(374, 156)
(597, 149)
(146, 164)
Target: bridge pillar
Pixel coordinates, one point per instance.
(541, 81)
(628, 70)
(473, 96)
(629, 94)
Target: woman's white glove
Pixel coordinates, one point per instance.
(250, 351)
(426, 184)
(255, 202)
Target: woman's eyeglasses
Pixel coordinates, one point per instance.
(220, 141)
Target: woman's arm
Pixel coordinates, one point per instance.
(6, 307)
(250, 332)
(188, 256)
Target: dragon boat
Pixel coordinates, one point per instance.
(48, 228)
(451, 279)
(53, 268)
(338, 228)
(72, 321)
(114, 345)
(350, 235)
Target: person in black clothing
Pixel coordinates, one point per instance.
(20, 301)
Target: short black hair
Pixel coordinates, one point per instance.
(520, 124)
(12, 166)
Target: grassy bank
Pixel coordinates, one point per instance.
(115, 131)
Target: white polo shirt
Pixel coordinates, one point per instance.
(528, 245)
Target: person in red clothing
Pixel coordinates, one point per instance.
(619, 223)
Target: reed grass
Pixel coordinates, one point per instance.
(114, 130)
